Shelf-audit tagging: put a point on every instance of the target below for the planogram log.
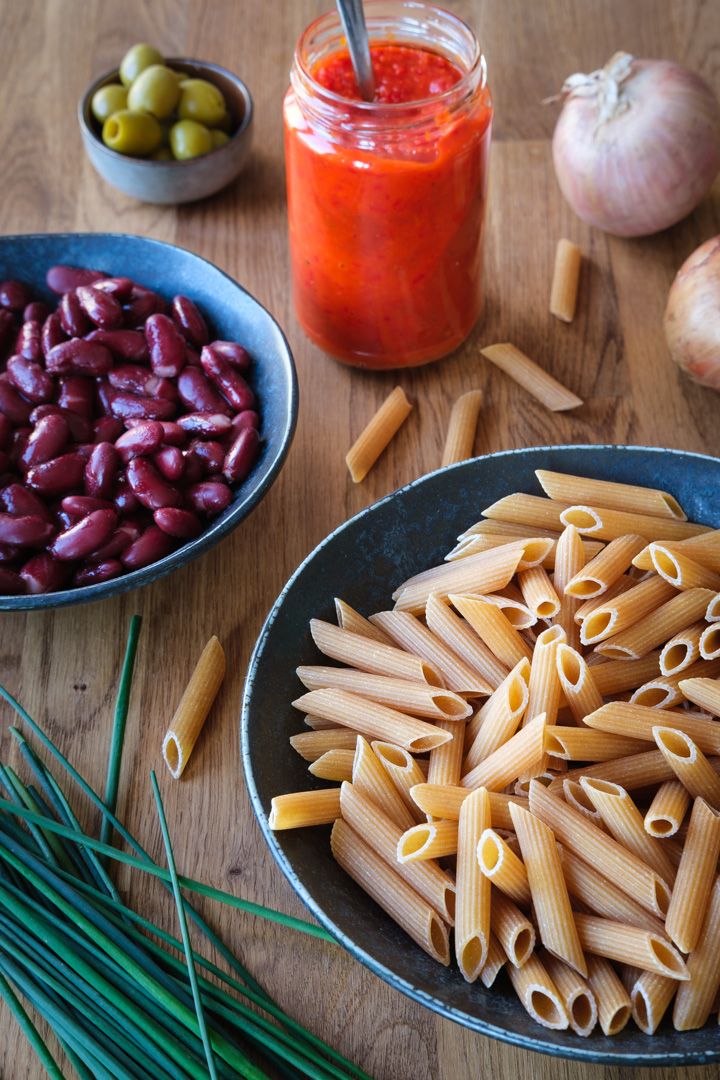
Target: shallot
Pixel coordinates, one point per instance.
(692, 315)
(637, 144)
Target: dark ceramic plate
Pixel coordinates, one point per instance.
(232, 315)
(362, 562)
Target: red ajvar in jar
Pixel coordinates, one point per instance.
(386, 199)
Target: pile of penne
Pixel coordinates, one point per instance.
(527, 749)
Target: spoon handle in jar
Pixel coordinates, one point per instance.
(352, 18)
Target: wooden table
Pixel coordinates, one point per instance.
(63, 665)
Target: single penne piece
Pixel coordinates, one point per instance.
(483, 573)
(387, 889)
(602, 600)
(624, 821)
(472, 922)
(358, 651)
(499, 718)
(538, 382)
(626, 610)
(603, 523)
(499, 863)
(430, 840)
(630, 945)
(382, 834)
(509, 760)
(333, 765)
(538, 994)
(577, 681)
(569, 560)
(531, 511)
(618, 676)
(463, 640)
(318, 723)
(195, 704)
(689, 764)
(576, 993)
(550, 898)
(587, 744)
(710, 642)
(695, 877)
(405, 695)
(566, 275)
(713, 609)
(544, 689)
(444, 801)
(695, 998)
(494, 963)
(513, 929)
(703, 692)
(664, 692)
(539, 592)
(597, 575)
(509, 529)
(493, 628)
(313, 744)
(631, 772)
(575, 796)
(409, 633)
(372, 720)
(603, 897)
(582, 837)
(638, 721)
(703, 548)
(681, 571)
(614, 1007)
(403, 770)
(667, 810)
(460, 437)
(355, 623)
(376, 435)
(572, 489)
(682, 650)
(372, 780)
(650, 995)
(516, 612)
(445, 765)
(302, 809)
(473, 545)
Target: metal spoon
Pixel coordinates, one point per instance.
(352, 18)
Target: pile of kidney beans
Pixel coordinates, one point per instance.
(122, 427)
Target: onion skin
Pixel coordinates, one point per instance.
(646, 168)
(692, 315)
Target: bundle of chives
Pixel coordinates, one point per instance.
(110, 983)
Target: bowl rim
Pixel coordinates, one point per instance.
(218, 528)
(583, 1051)
(88, 132)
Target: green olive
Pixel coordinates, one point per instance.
(225, 123)
(202, 101)
(133, 133)
(163, 153)
(108, 100)
(136, 60)
(156, 90)
(219, 138)
(189, 139)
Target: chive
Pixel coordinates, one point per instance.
(119, 720)
(29, 1030)
(56, 852)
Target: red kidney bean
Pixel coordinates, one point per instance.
(162, 388)
(84, 449)
(79, 426)
(131, 406)
(244, 419)
(10, 553)
(192, 358)
(169, 461)
(123, 496)
(99, 473)
(14, 295)
(205, 423)
(52, 333)
(78, 506)
(235, 354)
(79, 357)
(62, 278)
(104, 396)
(6, 430)
(28, 342)
(167, 346)
(20, 501)
(154, 544)
(208, 497)
(120, 287)
(86, 535)
(7, 329)
(11, 584)
(141, 439)
(15, 407)
(36, 311)
(42, 573)
(229, 381)
(126, 533)
(31, 380)
(74, 321)
(173, 434)
(131, 378)
(139, 306)
(149, 487)
(101, 308)
(241, 455)
(20, 437)
(198, 394)
(107, 429)
(47, 440)
(76, 392)
(210, 453)
(28, 531)
(189, 321)
(58, 476)
(193, 469)
(176, 522)
(126, 345)
(93, 573)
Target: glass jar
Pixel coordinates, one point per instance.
(386, 202)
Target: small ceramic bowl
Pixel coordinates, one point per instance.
(174, 181)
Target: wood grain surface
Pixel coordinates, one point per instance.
(63, 665)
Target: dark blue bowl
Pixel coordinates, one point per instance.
(232, 314)
(362, 562)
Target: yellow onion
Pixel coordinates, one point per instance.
(637, 144)
(692, 315)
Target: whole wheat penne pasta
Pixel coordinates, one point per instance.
(576, 797)
(603, 523)
(703, 692)
(333, 765)
(582, 837)
(695, 998)
(515, 611)
(689, 764)
(372, 780)
(355, 623)
(624, 821)
(194, 707)
(630, 945)
(499, 718)
(382, 835)
(650, 995)
(376, 435)
(445, 766)
(616, 589)
(499, 863)
(313, 744)
(493, 628)
(494, 963)
(415, 698)
(486, 572)
(472, 925)
(682, 650)
(596, 576)
(538, 382)
(551, 901)
(626, 610)
(301, 809)
(531, 511)
(709, 644)
(569, 560)
(616, 676)
(479, 542)
(513, 929)
(522, 787)
(460, 436)
(614, 1007)
(681, 571)
(429, 840)
(539, 592)
(631, 772)
(575, 991)
(444, 801)
(544, 689)
(358, 651)
(566, 275)
(372, 720)
(577, 681)
(713, 609)
(703, 548)
(664, 692)
(601, 896)
(571, 489)
(403, 770)
(409, 633)
(639, 721)
(667, 810)
(509, 529)
(587, 744)
(387, 888)
(318, 723)
(538, 994)
(463, 640)
(510, 759)
(695, 877)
